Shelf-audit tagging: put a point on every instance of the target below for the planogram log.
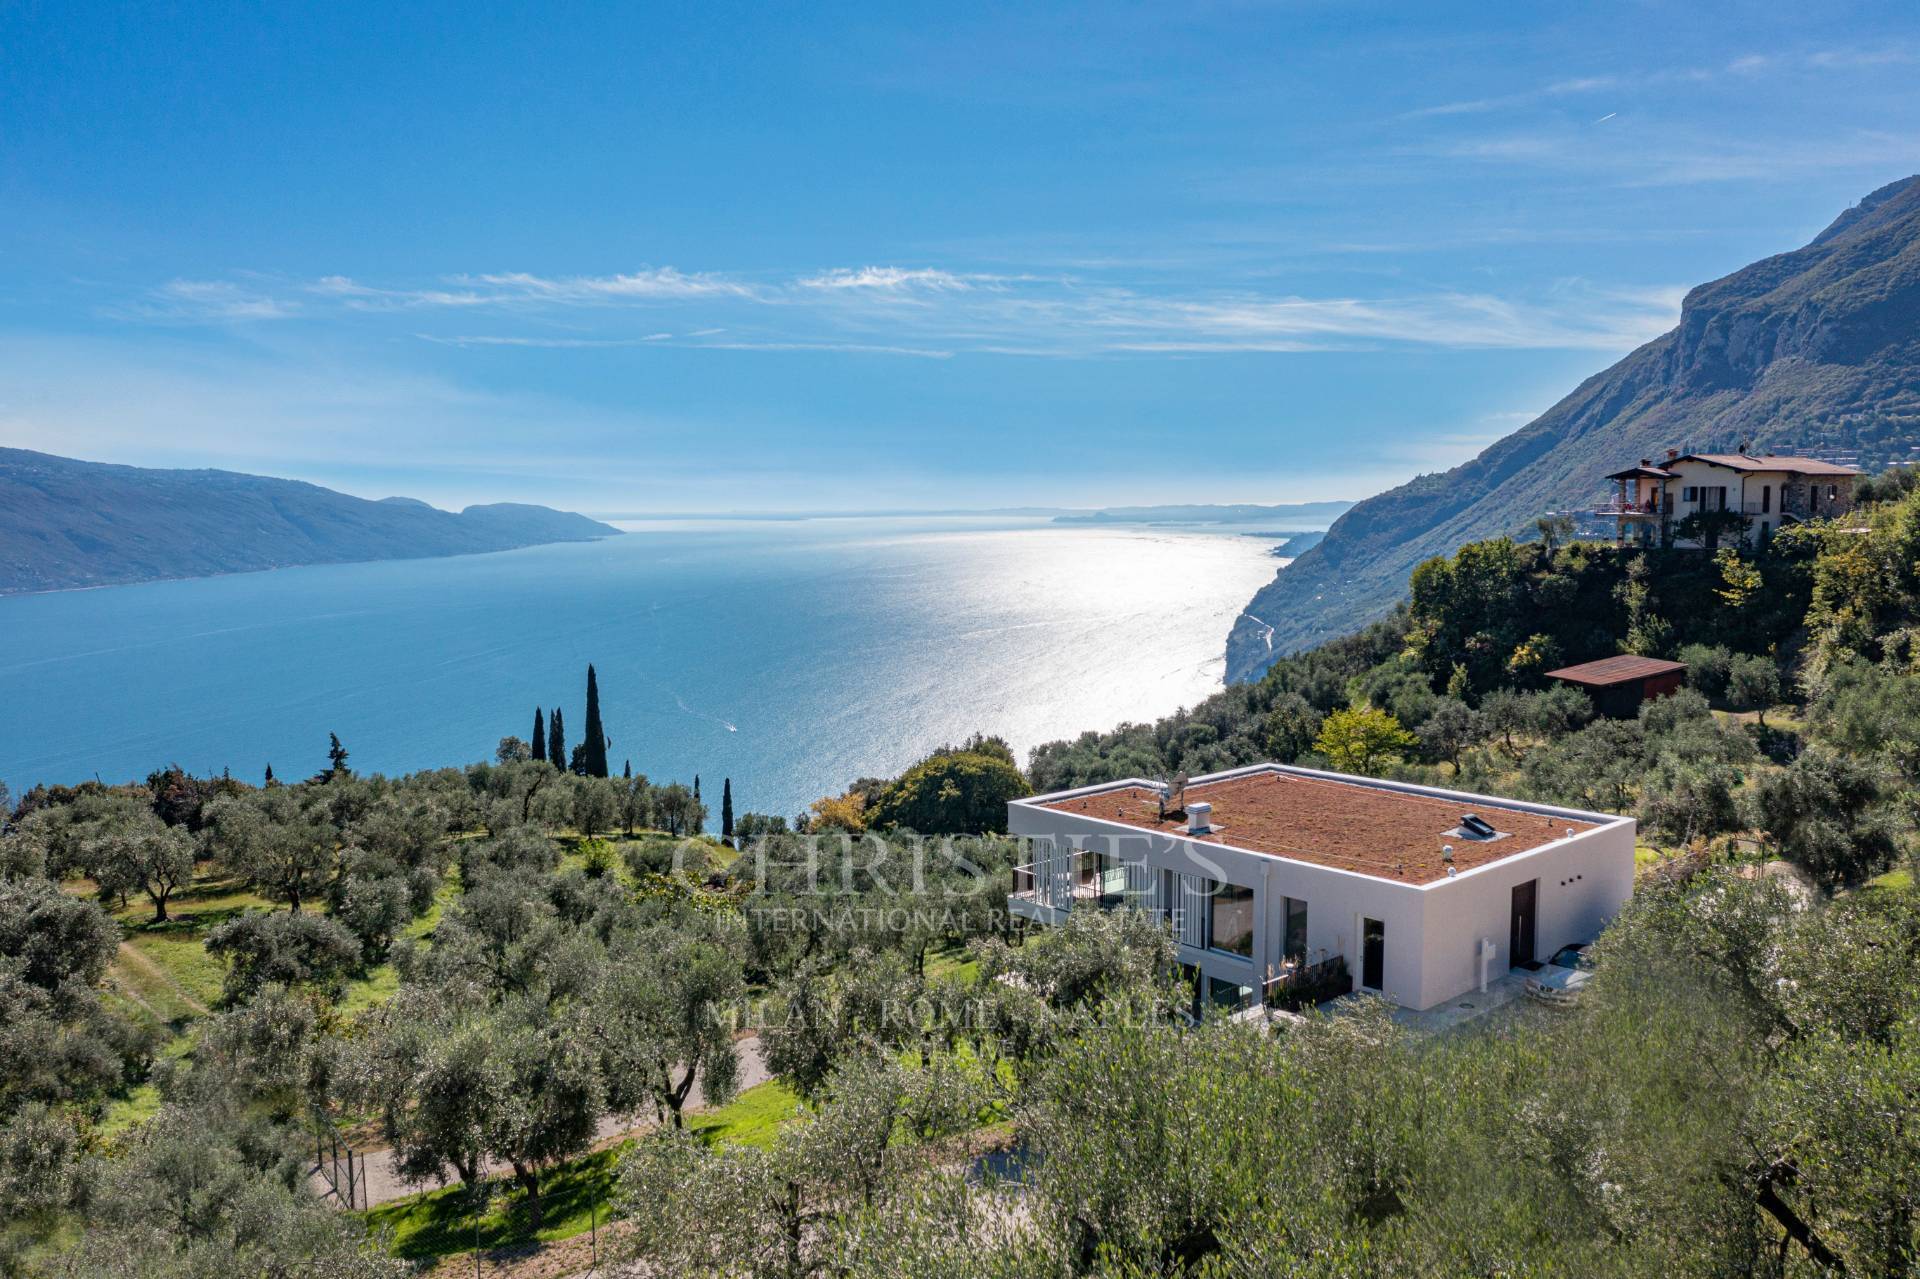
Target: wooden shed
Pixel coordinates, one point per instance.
(1618, 685)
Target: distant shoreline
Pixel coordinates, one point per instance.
(13, 594)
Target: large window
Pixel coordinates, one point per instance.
(1231, 925)
(1294, 936)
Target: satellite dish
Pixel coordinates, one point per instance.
(1173, 800)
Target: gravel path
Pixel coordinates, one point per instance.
(381, 1182)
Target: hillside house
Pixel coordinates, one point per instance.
(1272, 873)
(1762, 491)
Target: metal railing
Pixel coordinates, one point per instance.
(1303, 983)
(1614, 506)
(335, 1163)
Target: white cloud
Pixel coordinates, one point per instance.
(861, 311)
(887, 279)
(663, 282)
(211, 301)
(853, 348)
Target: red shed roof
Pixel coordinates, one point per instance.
(1609, 671)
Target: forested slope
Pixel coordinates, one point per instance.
(66, 523)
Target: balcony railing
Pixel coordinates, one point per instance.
(1303, 983)
(1042, 884)
(1616, 507)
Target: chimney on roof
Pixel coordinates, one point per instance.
(1646, 461)
(1673, 454)
(1744, 445)
(1199, 818)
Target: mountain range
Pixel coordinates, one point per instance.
(1817, 349)
(67, 523)
(1300, 515)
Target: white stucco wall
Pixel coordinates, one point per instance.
(1582, 883)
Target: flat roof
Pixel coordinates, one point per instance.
(1347, 824)
(1609, 671)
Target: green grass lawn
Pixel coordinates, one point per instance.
(187, 974)
(754, 1118)
(1893, 881)
(439, 1222)
(1646, 855)
(377, 985)
(166, 978)
(952, 963)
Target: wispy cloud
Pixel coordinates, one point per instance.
(1499, 102)
(889, 279)
(540, 343)
(660, 283)
(519, 288)
(1744, 67)
(859, 310)
(210, 302)
(1635, 159)
(854, 348)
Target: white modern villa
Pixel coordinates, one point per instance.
(1273, 877)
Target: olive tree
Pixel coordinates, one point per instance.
(141, 854)
(273, 839)
(267, 947)
(664, 1017)
(787, 1211)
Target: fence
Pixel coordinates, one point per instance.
(336, 1164)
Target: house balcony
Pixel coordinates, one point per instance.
(1041, 893)
(1306, 981)
(1615, 508)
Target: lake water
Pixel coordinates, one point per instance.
(791, 656)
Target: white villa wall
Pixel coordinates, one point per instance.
(1583, 882)
(1432, 930)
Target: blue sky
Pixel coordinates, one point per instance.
(635, 258)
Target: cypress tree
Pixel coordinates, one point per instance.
(539, 735)
(269, 780)
(726, 810)
(628, 771)
(596, 738)
(556, 741)
(336, 759)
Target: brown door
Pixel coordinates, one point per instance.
(1520, 931)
